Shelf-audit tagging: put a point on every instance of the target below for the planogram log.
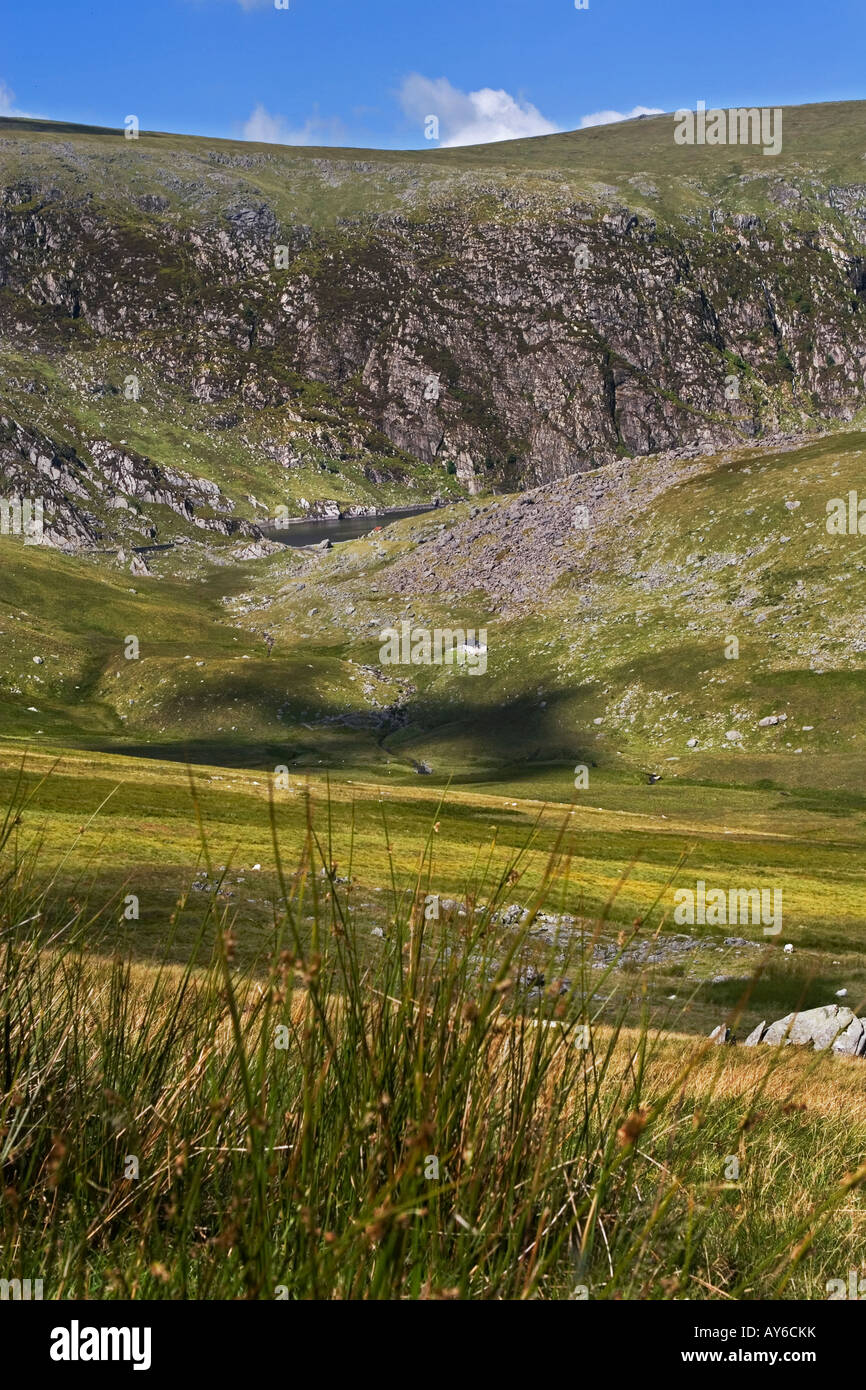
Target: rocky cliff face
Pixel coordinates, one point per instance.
(548, 346)
(501, 339)
(77, 496)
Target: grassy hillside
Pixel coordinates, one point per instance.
(620, 658)
(618, 666)
(322, 184)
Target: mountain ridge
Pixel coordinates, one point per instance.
(288, 325)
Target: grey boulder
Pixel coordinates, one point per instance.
(852, 1043)
(825, 1034)
(756, 1035)
(829, 1026)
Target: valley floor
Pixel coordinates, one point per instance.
(456, 895)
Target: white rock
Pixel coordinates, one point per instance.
(824, 1032)
(776, 1031)
(851, 1041)
(756, 1034)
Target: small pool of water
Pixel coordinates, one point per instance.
(343, 529)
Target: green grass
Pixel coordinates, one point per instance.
(324, 1123)
(634, 159)
(634, 639)
(126, 825)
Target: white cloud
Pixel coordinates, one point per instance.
(275, 130)
(471, 118)
(608, 117)
(7, 104)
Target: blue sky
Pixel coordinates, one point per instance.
(368, 72)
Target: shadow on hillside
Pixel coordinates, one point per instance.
(484, 741)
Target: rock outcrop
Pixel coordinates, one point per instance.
(829, 1026)
(507, 332)
(78, 494)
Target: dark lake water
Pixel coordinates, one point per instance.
(344, 529)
